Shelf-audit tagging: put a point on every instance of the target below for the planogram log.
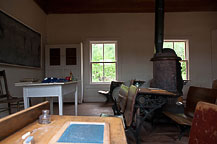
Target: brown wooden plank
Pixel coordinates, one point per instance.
(16, 121)
(214, 84)
(181, 119)
(196, 94)
(121, 6)
(155, 92)
(204, 124)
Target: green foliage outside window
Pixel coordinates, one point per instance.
(103, 62)
(179, 47)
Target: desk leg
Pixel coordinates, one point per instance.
(60, 99)
(76, 100)
(25, 98)
(51, 105)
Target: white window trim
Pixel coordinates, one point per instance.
(186, 52)
(90, 59)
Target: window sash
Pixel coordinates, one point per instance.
(103, 77)
(102, 62)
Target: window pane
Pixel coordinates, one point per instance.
(97, 72)
(168, 45)
(109, 52)
(184, 70)
(179, 48)
(97, 52)
(109, 72)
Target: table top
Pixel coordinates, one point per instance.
(43, 84)
(44, 133)
(155, 91)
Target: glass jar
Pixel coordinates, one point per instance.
(45, 118)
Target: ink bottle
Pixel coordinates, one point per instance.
(45, 117)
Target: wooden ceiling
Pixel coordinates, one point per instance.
(123, 6)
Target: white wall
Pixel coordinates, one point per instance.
(135, 34)
(28, 13)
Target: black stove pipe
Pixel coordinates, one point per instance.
(159, 25)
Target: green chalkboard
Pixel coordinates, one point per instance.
(19, 45)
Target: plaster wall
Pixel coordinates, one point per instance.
(28, 13)
(135, 36)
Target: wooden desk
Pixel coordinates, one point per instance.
(43, 133)
(153, 91)
(148, 100)
(33, 89)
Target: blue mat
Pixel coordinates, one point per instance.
(83, 133)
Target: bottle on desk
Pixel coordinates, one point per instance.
(45, 117)
(71, 76)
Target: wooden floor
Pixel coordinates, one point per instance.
(161, 133)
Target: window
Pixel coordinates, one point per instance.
(103, 61)
(181, 49)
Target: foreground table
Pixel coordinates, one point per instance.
(43, 133)
(59, 89)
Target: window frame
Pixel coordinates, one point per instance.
(186, 60)
(116, 58)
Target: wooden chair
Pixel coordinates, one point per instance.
(130, 111)
(121, 102)
(137, 83)
(195, 94)
(204, 126)
(5, 97)
(214, 84)
(107, 93)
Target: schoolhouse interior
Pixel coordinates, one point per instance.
(111, 72)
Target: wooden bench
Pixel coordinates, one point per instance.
(195, 94)
(14, 122)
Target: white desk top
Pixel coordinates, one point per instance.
(42, 84)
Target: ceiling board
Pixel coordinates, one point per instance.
(123, 6)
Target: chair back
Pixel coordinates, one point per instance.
(214, 84)
(196, 94)
(4, 93)
(204, 126)
(122, 98)
(113, 85)
(128, 114)
(137, 83)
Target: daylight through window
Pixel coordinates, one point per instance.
(181, 49)
(103, 61)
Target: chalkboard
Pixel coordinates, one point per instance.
(19, 45)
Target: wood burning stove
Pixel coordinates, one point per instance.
(166, 65)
